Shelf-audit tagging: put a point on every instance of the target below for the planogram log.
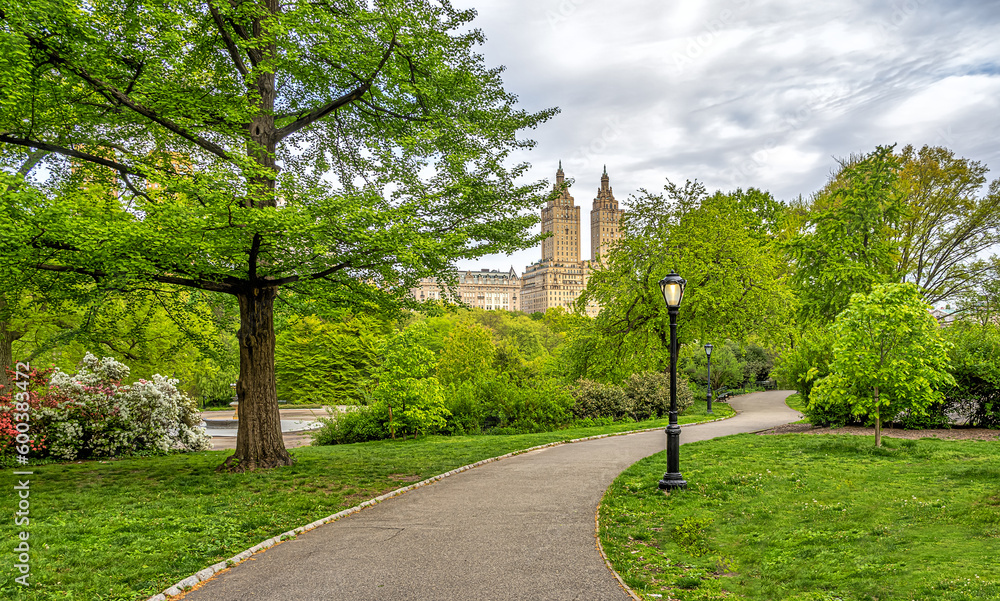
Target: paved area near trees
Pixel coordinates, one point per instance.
(226, 439)
(520, 528)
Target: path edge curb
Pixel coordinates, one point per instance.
(203, 575)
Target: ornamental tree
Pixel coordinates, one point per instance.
(340, 150)
(888, 356)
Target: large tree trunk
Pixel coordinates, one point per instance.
(258, 440)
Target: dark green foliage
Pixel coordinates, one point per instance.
(644, 395)
(649, 395)
(757, 362)
(830, 414)
(357, 424)
(975, 361)
(594, 399)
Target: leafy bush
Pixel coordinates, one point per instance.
(594, 399)
(91, 414)
(801, 367)
(649, 395)
(824, 410)
(357, 424)
(644, 395)
(466, 412)
(541, 406)
(975, 359)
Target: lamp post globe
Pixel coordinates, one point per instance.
(708, 355)
(672, 288)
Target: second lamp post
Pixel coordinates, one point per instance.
(708, 354)
(672, 288)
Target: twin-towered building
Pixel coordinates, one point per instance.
(560, 276)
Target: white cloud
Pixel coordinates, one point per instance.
(741, 92)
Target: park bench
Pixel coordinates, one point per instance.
(722, 394)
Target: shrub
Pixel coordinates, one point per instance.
(823, 410)
(543, 407)
(975, 361)
(539, 407)
(801, 367)
(649, 395)
(466, 412)
(410, 406)
(594, 399)
(91, 414)
(357, 424)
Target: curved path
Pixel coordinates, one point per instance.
(521, 528)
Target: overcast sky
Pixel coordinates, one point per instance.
(740, 93)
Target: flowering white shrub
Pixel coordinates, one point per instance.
(96, 416)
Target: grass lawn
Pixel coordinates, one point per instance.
(127, 529)
(811, 518)
(796, 402)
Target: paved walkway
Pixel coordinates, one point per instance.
(520, 528)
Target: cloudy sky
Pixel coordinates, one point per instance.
(740, 93)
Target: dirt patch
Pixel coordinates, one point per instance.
(958, 433)
(404, 478)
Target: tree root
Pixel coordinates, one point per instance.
(234, 465)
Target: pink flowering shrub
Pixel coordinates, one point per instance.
(39, 396)
(91, 414)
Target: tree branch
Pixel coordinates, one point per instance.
(113, 92)
(86, 156)
(333, 105)
(234, 52)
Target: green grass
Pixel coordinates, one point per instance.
(811, 518)
(127, 529)
(796, 402)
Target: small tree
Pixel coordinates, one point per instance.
(887, 354)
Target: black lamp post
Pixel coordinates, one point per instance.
(672, 288)
(708, 353)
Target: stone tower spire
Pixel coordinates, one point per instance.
(604, 219)
(561, 216)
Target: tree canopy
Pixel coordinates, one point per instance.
(848, 243)
(723, 244)
(337, 150)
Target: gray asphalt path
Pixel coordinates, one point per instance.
(520, 528)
